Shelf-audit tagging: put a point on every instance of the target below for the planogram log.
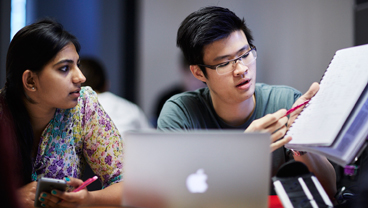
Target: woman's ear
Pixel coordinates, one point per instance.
(197, 73)
(28, 80)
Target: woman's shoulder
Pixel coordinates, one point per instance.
(87, 92)
(87, 97)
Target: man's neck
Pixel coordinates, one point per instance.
(235, 114)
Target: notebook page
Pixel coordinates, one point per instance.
(340, 88)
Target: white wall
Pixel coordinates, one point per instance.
(295, 40)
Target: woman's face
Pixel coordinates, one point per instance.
(59, 82)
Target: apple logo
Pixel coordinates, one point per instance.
(196, 182)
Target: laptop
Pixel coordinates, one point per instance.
(196, 169)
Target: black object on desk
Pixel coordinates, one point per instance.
(297, 187)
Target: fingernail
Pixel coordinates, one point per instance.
(53, 192)
(67, 178)
(44, 205)
(44, 195)
(42, 199)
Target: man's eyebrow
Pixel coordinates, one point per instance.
(219, 58)
(64, 61)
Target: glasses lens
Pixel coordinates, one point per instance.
(225, 68)
(248, 58)
(245, 60)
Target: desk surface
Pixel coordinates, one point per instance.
(274, 202)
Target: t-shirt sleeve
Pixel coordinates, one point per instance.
(103, 145)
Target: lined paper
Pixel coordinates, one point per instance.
(340, 88)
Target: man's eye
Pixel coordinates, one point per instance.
(223, 65)
(245, 55)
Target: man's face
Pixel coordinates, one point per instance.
(238, 85)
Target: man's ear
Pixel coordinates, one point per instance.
(28, 79)
(197, 73)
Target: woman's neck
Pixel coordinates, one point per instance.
(39, 119)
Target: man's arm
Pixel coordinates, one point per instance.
(319, 165)
(322, 169)
(274, 124)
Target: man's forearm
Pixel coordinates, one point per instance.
(322, 169)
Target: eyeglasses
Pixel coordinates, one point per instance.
(229, 66)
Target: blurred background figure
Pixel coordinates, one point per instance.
(188, 83)
(125, 114)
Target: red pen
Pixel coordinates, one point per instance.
(85, 183)
(296, 107)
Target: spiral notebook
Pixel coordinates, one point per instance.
(335, 121)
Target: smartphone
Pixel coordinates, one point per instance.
(47, 185)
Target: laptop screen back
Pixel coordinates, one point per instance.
(196, 169)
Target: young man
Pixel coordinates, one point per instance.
(219, 48)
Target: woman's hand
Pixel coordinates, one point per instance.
(27, 194)
(67, 199)
(275, 124)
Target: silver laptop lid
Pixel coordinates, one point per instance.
(196, 169)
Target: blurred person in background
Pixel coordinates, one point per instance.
(125, 114)
(187, 83)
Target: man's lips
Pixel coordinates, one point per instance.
(243, 82)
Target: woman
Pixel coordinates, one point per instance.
(59, 125)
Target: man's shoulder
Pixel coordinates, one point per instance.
(271, 98)
(190, 96)
(279, 89)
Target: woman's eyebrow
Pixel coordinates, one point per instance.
(64, 61)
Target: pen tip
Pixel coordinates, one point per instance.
(95, 177)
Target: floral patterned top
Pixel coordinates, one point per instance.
(78, 135)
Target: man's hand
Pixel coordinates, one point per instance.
(313, 89)
(27, 194)
(275, 124)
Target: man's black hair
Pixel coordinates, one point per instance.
(205, 26)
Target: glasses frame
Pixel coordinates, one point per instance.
(252, 47)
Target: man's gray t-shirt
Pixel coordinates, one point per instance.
(194, 110)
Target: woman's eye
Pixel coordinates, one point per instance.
(64, 68)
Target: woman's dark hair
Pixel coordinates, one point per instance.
(32, 48)
(205, 26)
